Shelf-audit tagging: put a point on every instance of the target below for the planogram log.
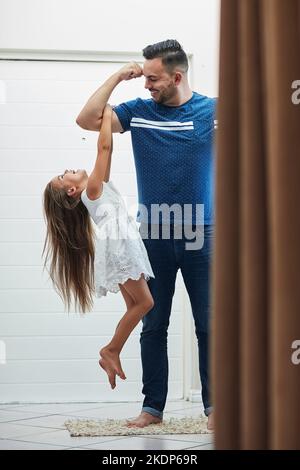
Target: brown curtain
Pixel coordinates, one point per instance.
(256, 269)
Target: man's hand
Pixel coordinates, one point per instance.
(129, 71)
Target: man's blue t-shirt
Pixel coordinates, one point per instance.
(173, 150)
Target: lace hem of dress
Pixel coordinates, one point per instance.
(102, 291)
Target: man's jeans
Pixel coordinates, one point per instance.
(166, 257)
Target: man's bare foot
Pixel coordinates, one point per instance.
(110, 362)
(210, 422)
(143, 420)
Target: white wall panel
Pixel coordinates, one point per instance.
(39, 114)
(64, 371)
(68, 137)
(75, 347)
(23, 254)
(46, 91)
(79, 391)
(11, 207)
(62, 71)
(47, 301)
(63, 324)
(30, 184)
(26, 277)
(53, 161)
(21, 231)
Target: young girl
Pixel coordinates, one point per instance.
(82, 262)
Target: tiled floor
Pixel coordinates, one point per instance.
(33, 426)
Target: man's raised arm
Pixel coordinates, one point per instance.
(91, 115)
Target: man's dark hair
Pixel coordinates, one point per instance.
(171, 53)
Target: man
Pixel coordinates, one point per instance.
(172, 137)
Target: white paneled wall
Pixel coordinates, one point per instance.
(52, 355)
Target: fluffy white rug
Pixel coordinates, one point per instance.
(114, 427)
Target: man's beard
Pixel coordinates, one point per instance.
(165, 95)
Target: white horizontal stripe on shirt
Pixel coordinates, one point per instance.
(148, 126)
(162, 123)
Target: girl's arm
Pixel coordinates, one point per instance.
(101, 169)
(107, 174)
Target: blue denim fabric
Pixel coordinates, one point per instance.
(166, 257)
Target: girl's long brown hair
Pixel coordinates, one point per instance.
(70, 246)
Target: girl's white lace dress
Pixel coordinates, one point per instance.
(120, 253)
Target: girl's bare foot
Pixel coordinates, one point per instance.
(110, 362)
(143, 420)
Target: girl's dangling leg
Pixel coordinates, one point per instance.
(138, 301)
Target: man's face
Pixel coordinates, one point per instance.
(158, 81)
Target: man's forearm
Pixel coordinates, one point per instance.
(91, 114)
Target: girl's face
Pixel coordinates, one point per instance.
(72, 181)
